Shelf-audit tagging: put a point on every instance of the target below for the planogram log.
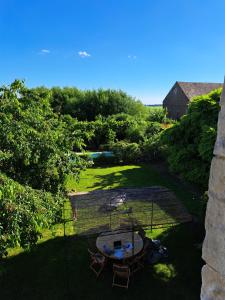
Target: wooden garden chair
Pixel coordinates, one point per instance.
(138, 262)
(121, 275)
(98, 262)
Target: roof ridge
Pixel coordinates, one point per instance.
(195, 82)
(193, 89)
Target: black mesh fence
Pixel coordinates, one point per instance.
(122, 209)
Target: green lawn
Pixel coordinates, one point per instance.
(134, 176)
(58, 267)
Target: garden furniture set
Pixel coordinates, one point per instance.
(124, 251)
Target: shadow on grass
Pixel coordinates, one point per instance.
(59, 269)
(146, 176)
(140, 176)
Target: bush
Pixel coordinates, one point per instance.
(152, 129)
(189, 143)
(103, 160)
(157, 114)
(24, 212)
(126, 152)
(151, 148)
(136, 132)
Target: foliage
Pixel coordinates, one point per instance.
(152, 128)
(126, 152)
(189, 143)
(88, 105)
(103, 133)
(24, 212)
(104, 160)
(37, 151)
(158, 114)
(36, 144)
(151, 148)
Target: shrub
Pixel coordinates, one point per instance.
(152, 129)
(126, 152)
(136, 132)
(103, 160)
(24, 212)
(189, 143)
(151, 148)
(157, 114)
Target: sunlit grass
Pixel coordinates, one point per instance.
(165, 272)
(92, 178)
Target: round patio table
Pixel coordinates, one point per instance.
(131, 244)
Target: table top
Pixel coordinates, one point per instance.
(105, 244)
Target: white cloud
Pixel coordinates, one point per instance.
(83, 54)
(45, 51)
(132, 56)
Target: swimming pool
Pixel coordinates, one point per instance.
(97, 154)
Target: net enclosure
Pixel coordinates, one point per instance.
(125, 209)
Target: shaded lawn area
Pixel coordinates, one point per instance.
(59, 269)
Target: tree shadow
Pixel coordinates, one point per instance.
(151, 206)
(133, 177)
(59, 269)
(152, 175)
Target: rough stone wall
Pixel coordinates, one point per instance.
(213, 273)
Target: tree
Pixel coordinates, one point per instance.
(36, 146)
(88, 105)
(24, 212)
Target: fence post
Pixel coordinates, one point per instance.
(64, 221)
(152, 216)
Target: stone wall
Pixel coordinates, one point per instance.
(213, 273)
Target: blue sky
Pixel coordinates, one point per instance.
(139, 46)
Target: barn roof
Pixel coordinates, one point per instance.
(193, 89)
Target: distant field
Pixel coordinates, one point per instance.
(154, 107)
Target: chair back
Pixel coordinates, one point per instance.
(142, 233)
(146, 244)
(140, 256)
(91, 253)
(121, 271)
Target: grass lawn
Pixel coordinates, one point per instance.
(134, 176)
(58, 268)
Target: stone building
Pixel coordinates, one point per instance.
(213, 252)
(176, 101)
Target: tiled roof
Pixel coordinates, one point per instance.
(192, 89)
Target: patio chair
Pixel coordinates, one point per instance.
(91, 244)
(98, 262)
(121, 275)
(138, 262)
(142, 233)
